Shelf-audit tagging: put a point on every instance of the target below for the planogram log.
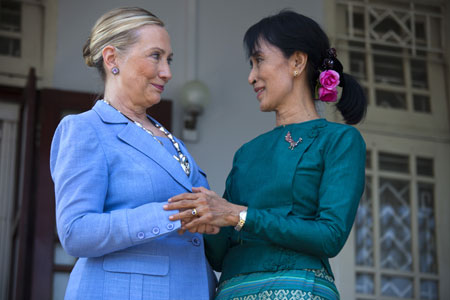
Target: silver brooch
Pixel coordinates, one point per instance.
(292, 144)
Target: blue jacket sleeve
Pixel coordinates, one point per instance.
(340, 190)
(79, 170)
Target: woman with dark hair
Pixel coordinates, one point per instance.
(292, 194)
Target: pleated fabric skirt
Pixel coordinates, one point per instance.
(281, 285)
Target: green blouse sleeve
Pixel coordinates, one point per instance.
(340, 190)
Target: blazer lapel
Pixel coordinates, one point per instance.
(143, 142)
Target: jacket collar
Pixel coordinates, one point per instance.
(108, 114)
(143, 142)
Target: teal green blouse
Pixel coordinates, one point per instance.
(301, 202)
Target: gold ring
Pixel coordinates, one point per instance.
(194, 212)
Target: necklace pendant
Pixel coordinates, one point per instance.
(186, 167)
(292, 144)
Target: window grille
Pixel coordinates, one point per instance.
(395, 229)
(390, 46)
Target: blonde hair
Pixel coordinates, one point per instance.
(116, 28)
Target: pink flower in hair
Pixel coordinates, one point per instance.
(328, 95)
(329, 79)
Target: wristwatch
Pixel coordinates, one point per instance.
(242, 217)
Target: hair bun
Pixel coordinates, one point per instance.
(87, 53)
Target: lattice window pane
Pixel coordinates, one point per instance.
(388, 69)
(395, 225)
(364, 228)
(358, 65)
(10, 46)
(419, 73)
(425, 166)
(358, 22)
(429, 289)
(393, 162)
(365, 283)
(10, 16)
(390, 25)
(369, 160)
(422, 103)
(420, 30)
(435, 33)
(427, 229)
(397, 286)
(388, 99)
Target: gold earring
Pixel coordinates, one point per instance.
(295, 73)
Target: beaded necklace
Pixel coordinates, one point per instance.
(180, 157)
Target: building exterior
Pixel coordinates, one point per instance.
(399, 50)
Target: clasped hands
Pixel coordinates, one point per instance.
(212, 211)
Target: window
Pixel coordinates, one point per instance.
(10, 28)
(399, 241)
(395, 229)
(21, 39)
(392, 48)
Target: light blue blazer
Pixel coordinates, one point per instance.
(111, 181)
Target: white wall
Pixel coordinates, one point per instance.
(233, 116)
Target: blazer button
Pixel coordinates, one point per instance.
(155, 230)
(196, 241)
(169, 226)
(140, 235)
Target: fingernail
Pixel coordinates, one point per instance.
(170, 200)
(171, 217)
(165, 206)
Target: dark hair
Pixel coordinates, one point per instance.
(291, 32)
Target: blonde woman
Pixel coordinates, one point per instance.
(114, 167)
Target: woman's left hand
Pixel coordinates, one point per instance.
(211, 209)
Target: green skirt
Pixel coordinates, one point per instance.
(286, 284)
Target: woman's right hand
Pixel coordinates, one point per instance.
(211, 209)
